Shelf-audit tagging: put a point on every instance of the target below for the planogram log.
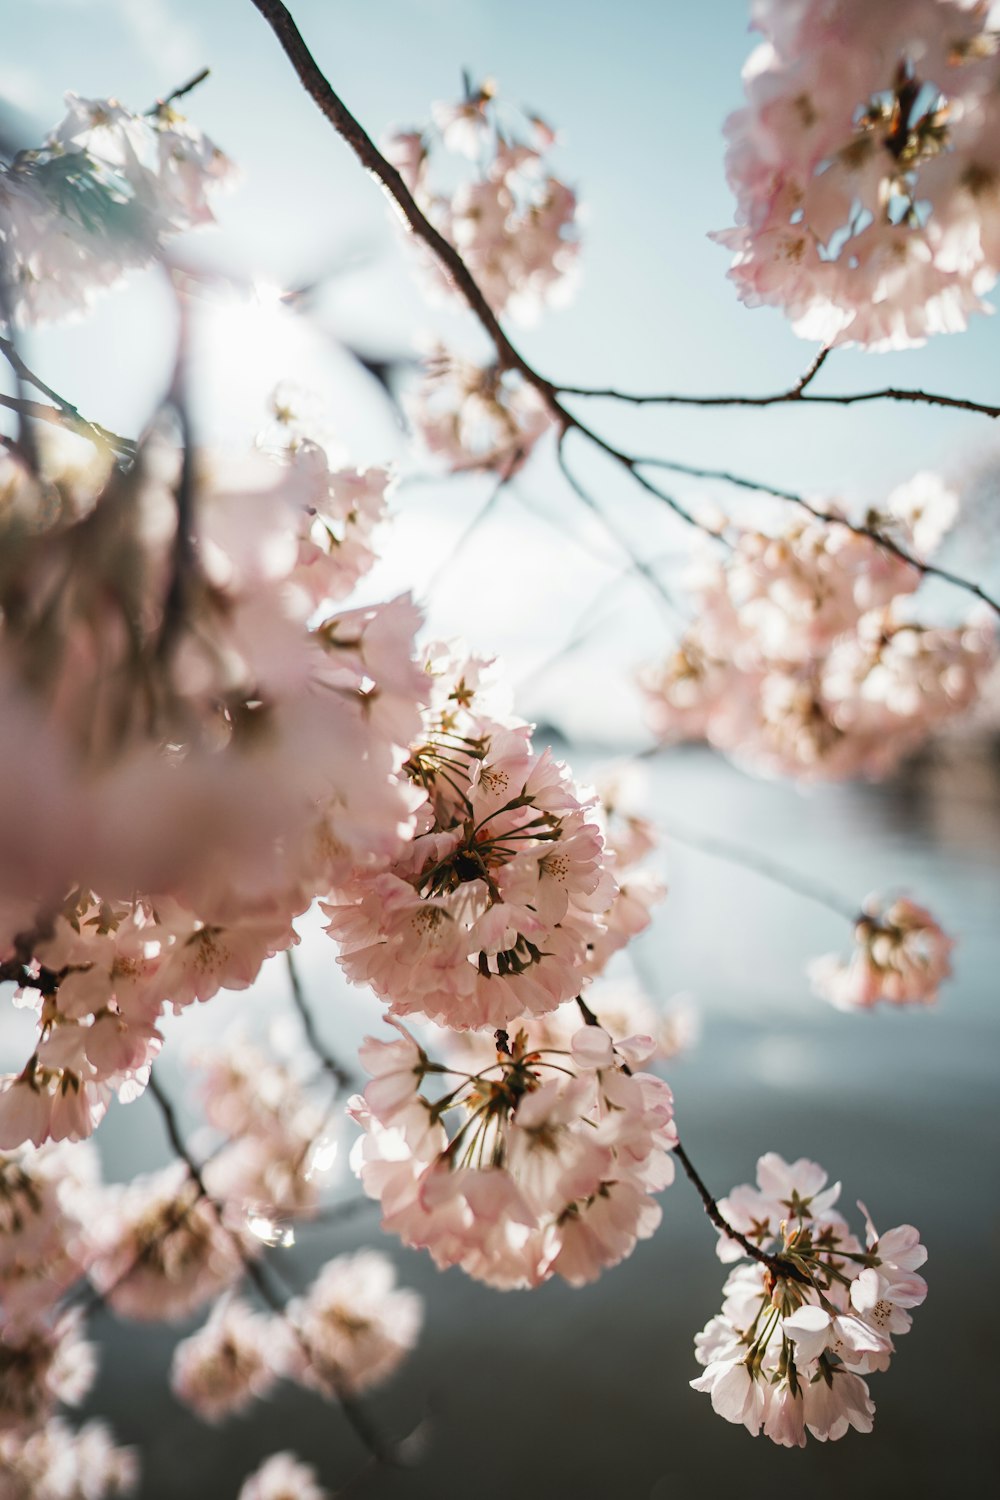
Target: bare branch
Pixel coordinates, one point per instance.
(66, 415)
(179, 93)
(796, 394)
(358, 1418)
(469, 532)
(341, 1076)
(640, 565)
(873, 533)
(776, 1264)
(763, 865)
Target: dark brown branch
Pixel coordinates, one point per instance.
(796, 394)
(385, 174)
(358, 1418)
(179, 93)
(776, 1264)
(341, 1076)
(881, 538)
(67, 416)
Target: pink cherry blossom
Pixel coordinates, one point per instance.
(901, 956)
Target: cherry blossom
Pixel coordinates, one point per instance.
(901, 956)
(806, 660)
(796, 1337)
(56, 1462)
(491, 911)
(47, 1198)
(101, 197)
(282, 1477)
(232, 1361)
(42, 1362)
(548, 1169)
(161, 1251)
(865, 171)
(476, 417)
(356, 1324)
(515, 224)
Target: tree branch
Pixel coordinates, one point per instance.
(341, 1076)
(385, 174)
(794, 394)
(776, 1264)
(358, 1418)
(67, 416)
(764, 866)
(739, 481)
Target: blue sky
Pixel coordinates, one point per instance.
(640, 92)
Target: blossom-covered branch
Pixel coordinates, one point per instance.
(355, 1413)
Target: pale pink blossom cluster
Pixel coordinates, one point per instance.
(866, 168)
(514, 224)
(355, 1325)
(341, 508)
(103, 195)
(789, 1353)
(504, 900)
(184, 730)
(279, 1139)
(47, 1198)
(475, 416)
(623, 1006)
(900, 955)
(540, 1165)
(56, 1462)
(282, 1477)
(50, 1204)
(161, 1251)
(232, 1361)
(805, 659)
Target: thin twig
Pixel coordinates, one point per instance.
(341, 1076)
(179, 93)
(776, 1264)
(353, 1411)
(796, 394)
(763, 865)
(640, 565)
(67, 416)
(482, 515)
(830, 518)
(386, 175)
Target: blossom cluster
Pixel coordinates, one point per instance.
(549, 1165)
(192, 757)
(512, 221)
(805, 659)
(158, 1249)
(866, 168)
(102, 196)
(789, 1353)
(901, 955)
(474, 416)
(506, 898)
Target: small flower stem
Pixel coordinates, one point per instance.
(364, 1429)
(340, 1075)
(776, 1264)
